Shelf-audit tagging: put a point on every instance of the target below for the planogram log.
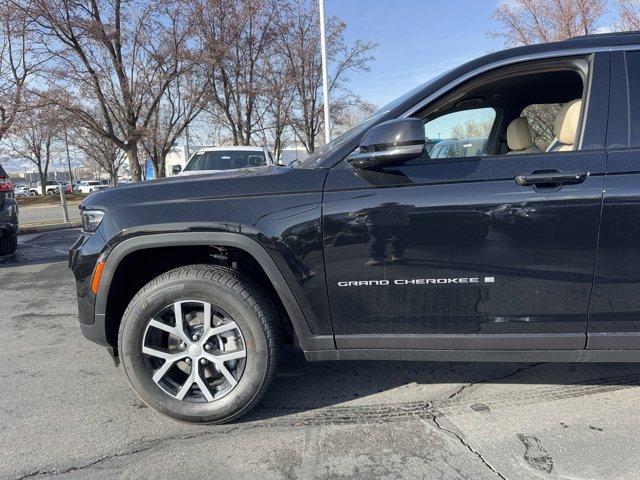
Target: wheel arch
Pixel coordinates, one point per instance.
(306, 339)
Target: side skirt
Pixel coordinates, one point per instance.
(514, 356)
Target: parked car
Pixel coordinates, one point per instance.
(89, 186)
(219, 159)
(463, 147)
(194, 283)
(51, 187)
(67, 186)
(21, 190)
(8, 216)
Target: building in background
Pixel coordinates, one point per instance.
(177, 156)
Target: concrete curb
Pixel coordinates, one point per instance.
(46, 227)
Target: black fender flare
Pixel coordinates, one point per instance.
(307, 340)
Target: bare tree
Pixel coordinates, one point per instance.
(34, 137)
(300, 45)
(114, 58)
(235, 35)
(277, 104)
(354, 114)
(629, 14)
(525, 22)
(100, 152)
(471, 129)
(18, 62)
(181, 103)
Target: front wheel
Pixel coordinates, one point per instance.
(200, 344)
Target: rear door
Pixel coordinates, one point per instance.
(614, 316)
(453, 253)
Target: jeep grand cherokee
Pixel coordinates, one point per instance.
(370, 249)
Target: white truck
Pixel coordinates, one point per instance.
(89, 186)
(219, 159)
(51, 187)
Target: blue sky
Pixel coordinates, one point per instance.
(418, 39)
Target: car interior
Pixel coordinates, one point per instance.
(519, 110)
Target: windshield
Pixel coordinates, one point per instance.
(225, 160)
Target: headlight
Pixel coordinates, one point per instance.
(91, 219)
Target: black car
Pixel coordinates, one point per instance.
(8, 215)
(371, 249)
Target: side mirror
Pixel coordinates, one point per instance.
(176, 169)
(390, 142)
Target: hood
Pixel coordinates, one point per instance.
(248, 182)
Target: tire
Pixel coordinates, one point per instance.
(8, 245)
(233, 298)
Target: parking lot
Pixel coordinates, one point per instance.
(40, 214)
(67, 412)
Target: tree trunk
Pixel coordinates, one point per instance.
(43, 181)
(134, 162)
(311, 143)
(277, 142)
(158, 165)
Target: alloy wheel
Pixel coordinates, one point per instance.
(194, 351)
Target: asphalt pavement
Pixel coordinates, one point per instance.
(67, 412)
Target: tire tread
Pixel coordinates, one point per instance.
(8, 245)
(246, 289)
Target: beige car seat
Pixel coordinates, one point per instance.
(519, 137)
(565, 127)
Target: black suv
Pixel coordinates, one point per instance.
(528, 250)
(8, 215)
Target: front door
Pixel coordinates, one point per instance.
(467, 250)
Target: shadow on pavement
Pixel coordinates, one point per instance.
(41, 248)
(301, 387)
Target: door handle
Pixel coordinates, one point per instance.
(551, 178)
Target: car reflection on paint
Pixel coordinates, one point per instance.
(470, 226)
(522, 221)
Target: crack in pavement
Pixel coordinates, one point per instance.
(146, 446)
(453, 433)
(368, 414)
(493, 379)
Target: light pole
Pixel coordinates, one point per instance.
(66, 144)
(187, 143)
(325, 81)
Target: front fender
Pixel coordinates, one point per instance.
(282, 278)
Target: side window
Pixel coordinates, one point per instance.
(461, 134)
(524, 112)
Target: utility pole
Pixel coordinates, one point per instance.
(187, 143)
(66, 144)
(325, 81)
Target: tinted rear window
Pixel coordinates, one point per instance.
(225, 160)
(2, 172)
